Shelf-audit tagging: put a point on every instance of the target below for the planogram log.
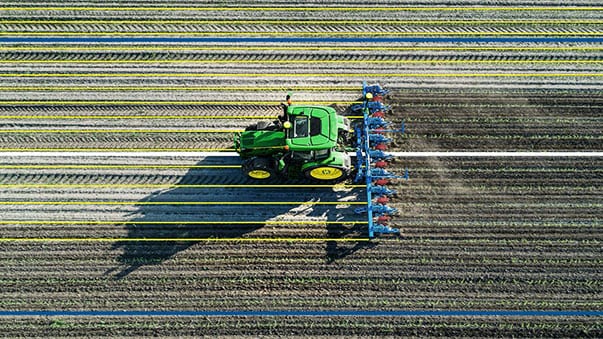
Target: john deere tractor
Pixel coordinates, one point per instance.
(305, 141)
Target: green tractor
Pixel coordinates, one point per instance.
(305, 141)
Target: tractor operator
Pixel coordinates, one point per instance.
(282, 118)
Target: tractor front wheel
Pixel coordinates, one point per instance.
(326, 173)
(259, 168)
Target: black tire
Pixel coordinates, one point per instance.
(261, 126)
(259, 168)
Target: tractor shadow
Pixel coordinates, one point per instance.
(164, 221)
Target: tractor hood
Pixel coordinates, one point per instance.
(262, 139)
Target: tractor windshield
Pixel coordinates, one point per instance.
(300, 127)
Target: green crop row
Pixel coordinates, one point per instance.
(500, 260)
(482, 136)
(344, 326)
(496, 106)
(484, 300)
(309, 281)
(508, 169)
(523, 205)
(506, 120)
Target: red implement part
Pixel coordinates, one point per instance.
(378, 98)
(382, 200)
(379, 114)
(381, 182)
(381, 164)
(380, 147)
(383, 219)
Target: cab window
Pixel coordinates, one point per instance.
(315, 126)
(300, 127)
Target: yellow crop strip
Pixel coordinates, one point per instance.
(180, 88)
(310, 8)
(305, 22)
(331, 61)
(134, 116)
(33, 166)
(51, 240)
(143, 117)
(30, 149)
(293, 34)
(292, 48)
(281, 75)
(130, 222)
(183, 203)
(166, 102)
(67, 131)
(171, 185)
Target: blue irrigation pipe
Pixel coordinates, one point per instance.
(302, 313)
(313, 40)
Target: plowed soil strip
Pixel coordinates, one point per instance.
(315, 34)
(155, 240)
(150, 102)
(300, 39)
(495, 154)
(112, 186)
(79, 117)
(264, 75)
(180, 88)
(313, 9)
(202, 203)
(309, 48)
(427, 61)
(301, 313)
(68, 21)
(185, 222)
(163, 131)
(113, 151)
(94, 166)
(233, 154)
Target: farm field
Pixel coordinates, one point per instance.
(477, 233)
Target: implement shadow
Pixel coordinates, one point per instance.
(155, 220)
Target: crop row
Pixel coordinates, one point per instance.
(285, 302)
(322, 326)
(333, 56)
(301, 11)
(462, 30)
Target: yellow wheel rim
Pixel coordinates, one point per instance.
(326, 173)
(259, 174)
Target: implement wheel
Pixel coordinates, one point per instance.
(259, 168)
(326, 173)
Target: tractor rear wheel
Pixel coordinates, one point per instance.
(326, 173)
(259, 168)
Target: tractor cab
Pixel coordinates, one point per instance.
(310, 127)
